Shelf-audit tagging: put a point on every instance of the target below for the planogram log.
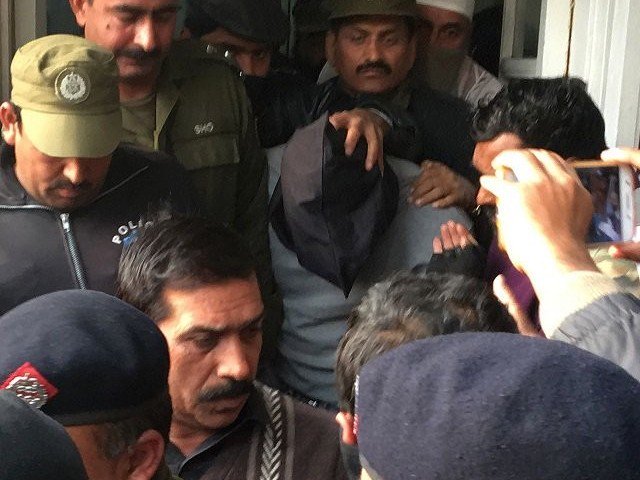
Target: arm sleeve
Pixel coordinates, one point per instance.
(608, 327)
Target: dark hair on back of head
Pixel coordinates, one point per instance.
(409, 307)
(556, 114)
(180, 252)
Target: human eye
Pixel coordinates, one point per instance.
(451, 33)
(165, 16)
(203, 341)
(251, 332)
(357, 38)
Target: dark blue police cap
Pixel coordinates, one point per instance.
(33, 446)
(83, 357)
(497, 406)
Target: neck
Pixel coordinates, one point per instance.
(187, 438)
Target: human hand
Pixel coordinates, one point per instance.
(544, 216)
(452, 235)
(441, 187)
(363, 122)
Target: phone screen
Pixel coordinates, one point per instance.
(611, 191)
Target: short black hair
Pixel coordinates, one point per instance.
(181, 252)
(409, 307)
(556, 114)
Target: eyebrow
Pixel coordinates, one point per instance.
(451, 25)
(124, 8)
(254, 322)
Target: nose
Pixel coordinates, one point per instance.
(146, 34)
(75, 170)
(235, 362)
(373, 50)
(433, 37)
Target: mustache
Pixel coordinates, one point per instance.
(377, 65)
(139, 54)
(230, 389)
(66, 184)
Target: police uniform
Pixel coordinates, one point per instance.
(203, 118)
(33, 446)
(66, 88)
(85, 358)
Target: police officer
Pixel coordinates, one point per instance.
(33, 446)
(70, 195)
(183, 97)
(99, 367)
(249, 30)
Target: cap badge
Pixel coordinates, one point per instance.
(30, 385)
(72, 86)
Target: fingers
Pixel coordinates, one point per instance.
(361, 123)
(437, 245)
(630, 156)
(374, 138)
(350, 142)
(465, 234)
(447, 239)
(504, 294)
(627, 251)
(531, 165)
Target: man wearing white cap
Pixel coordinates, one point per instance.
(442, 59)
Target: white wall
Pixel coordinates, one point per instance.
(605, 49)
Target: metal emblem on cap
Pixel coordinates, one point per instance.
(72, 85)
(30, 385)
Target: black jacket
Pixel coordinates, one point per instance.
(43, 250)
(428, 125)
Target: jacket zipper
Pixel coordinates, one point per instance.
(73, 251)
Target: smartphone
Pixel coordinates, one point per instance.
(612, 188)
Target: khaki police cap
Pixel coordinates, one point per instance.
(67, 89)
(350, 8)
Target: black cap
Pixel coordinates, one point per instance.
(497, 406)
(83, 357)
(261, 21)
(33, 446)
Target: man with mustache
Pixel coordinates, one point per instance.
(371, 44)
(197, 281)
(70, 195)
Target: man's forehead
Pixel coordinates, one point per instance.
(146, 5)
(439, 16)
(376, 23)
(231, 303)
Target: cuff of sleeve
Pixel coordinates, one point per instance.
(568, 293)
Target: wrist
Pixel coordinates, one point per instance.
(562, 258)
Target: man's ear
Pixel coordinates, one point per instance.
(185, 33)
(330, 40)
(79, 8)
(9, 120)
(146, 455)
(346, 422)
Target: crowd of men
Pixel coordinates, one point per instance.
(217, 261)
